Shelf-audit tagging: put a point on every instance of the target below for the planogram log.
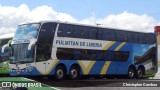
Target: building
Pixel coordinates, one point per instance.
(157, 31)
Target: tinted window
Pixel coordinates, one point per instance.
(100, 34)
(77, 54)
(109, 55)
(65, 30)
(100, 55)
(121, 36)
(151, 38)
(85, 31)
(46, 35)
(92, 54)
(65, 54)
(92, 33)
(108, 34)
(78, 32)
(81, 54)
(116, 55)
(142, 38)
(133, 37)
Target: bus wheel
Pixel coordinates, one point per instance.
(74, 72)
(140, 73)
(131, 72)
(60, 72)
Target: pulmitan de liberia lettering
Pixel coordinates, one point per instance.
(78, 43)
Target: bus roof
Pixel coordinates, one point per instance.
(5, 36)
(66, 22)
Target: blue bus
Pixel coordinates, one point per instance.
(60, 49)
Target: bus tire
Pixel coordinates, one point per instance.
(131, 72)
(60, 72)
(140, 73)
(74, 73)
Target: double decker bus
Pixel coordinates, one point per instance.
(4, 58)
(60, 49)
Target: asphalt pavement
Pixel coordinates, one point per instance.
(106, 84)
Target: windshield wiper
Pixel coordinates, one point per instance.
(22, 61)
(25, 61)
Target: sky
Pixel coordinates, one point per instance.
(134, 15)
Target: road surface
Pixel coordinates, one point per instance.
(106, 84)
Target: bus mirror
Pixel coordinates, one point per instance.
(4, 47)
(9, 45)
(9, 42)
(31, 44)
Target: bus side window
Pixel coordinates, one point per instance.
(136, 38)
(69, 54)
(117, 56)
(124, 56)
(46, 35)
(142, 38)
(69, 31)
(60, 53)
(65, 54)
(151, 39)
(78, 32)
(60, 33)
(108, 35)
(129, 36)
(65, 30)
(121, 36)
(41, 53)
(85, 32)
(84, 54)
(92, 54)
(100, 34)
(107, 55)
(133, 37)
(61, 30)
(92, 33)
(77, 54)
(100, 55)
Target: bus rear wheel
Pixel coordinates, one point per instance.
(60, 72)
(74, 73)
(140, 73)
(131, 73)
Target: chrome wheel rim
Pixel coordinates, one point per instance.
(131, 73)
(139, 73)
(73, 73)
(60, 73)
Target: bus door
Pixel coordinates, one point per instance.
(44, 47)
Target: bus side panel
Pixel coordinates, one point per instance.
(97, 68)
(121, 67)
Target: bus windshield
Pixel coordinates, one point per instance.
(19, 50)
(26, 32)
(20, 53)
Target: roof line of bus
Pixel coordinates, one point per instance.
(66, 22)
(6, 36)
